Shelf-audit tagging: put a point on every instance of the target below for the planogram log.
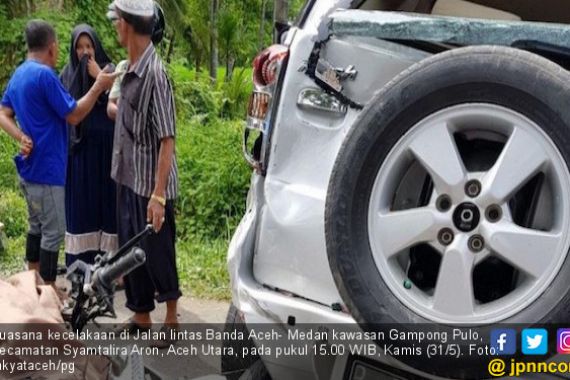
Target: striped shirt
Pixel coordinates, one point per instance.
(146, 115)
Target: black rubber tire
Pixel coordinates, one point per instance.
(256, 371)
(236, 367)
(518, 80)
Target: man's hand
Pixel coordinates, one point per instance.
(155, 214)
(104, 80)
(8, 124)
(93, 68)
(26, 146)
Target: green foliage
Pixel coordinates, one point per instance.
(12, 260)
(236, 94)
(194, 94)
(229, 32)
(8, 148)
(11, 40)
(13, 213)
(202, 267)
(213, 178)
(238, 41)
(195, 41)
(295, 7)
(175, 12)
(243, 29)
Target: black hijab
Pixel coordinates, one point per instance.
(76, 80)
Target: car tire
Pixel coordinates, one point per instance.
(256, 371)
(501, 78)
(236, 367)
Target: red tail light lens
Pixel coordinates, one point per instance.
(266, 64)
(266, 67)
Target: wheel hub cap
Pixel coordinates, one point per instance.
(466, 217)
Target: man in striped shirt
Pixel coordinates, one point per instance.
(144, 165)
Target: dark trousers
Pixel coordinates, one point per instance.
(158, 276)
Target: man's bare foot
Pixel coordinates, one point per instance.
(171, 319)
(142, 319)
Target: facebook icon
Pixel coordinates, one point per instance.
(504, 341)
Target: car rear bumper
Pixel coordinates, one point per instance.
(260, 304)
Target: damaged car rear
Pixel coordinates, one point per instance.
(411, 166)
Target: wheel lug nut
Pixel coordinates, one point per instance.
(443, 203)
(445, 236)
(493, 213)
(473, 188)
(476, 243)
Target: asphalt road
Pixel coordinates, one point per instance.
(190, 311)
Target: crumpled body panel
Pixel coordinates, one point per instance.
(451, 30)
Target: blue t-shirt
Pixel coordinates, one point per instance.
(41, 104)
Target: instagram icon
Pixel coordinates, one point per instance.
(563, 341)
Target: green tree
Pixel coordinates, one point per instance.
(196, 33)
(11, 39)
(213, 30)
(262, 17)
(229, 35)
(18, 8)
(175, 14)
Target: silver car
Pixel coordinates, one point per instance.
(411, 166)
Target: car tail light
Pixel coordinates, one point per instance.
(258, 105)
(266, 68)
(266, 65)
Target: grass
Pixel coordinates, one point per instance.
(12, 260)
(202, 267)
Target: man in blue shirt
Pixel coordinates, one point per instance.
(37, 99)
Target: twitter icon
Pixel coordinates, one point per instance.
(534, 341)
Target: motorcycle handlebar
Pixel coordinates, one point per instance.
(119, 265)
(123, 266)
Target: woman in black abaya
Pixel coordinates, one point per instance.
(90, 203)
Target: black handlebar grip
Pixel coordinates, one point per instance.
(123, 266)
